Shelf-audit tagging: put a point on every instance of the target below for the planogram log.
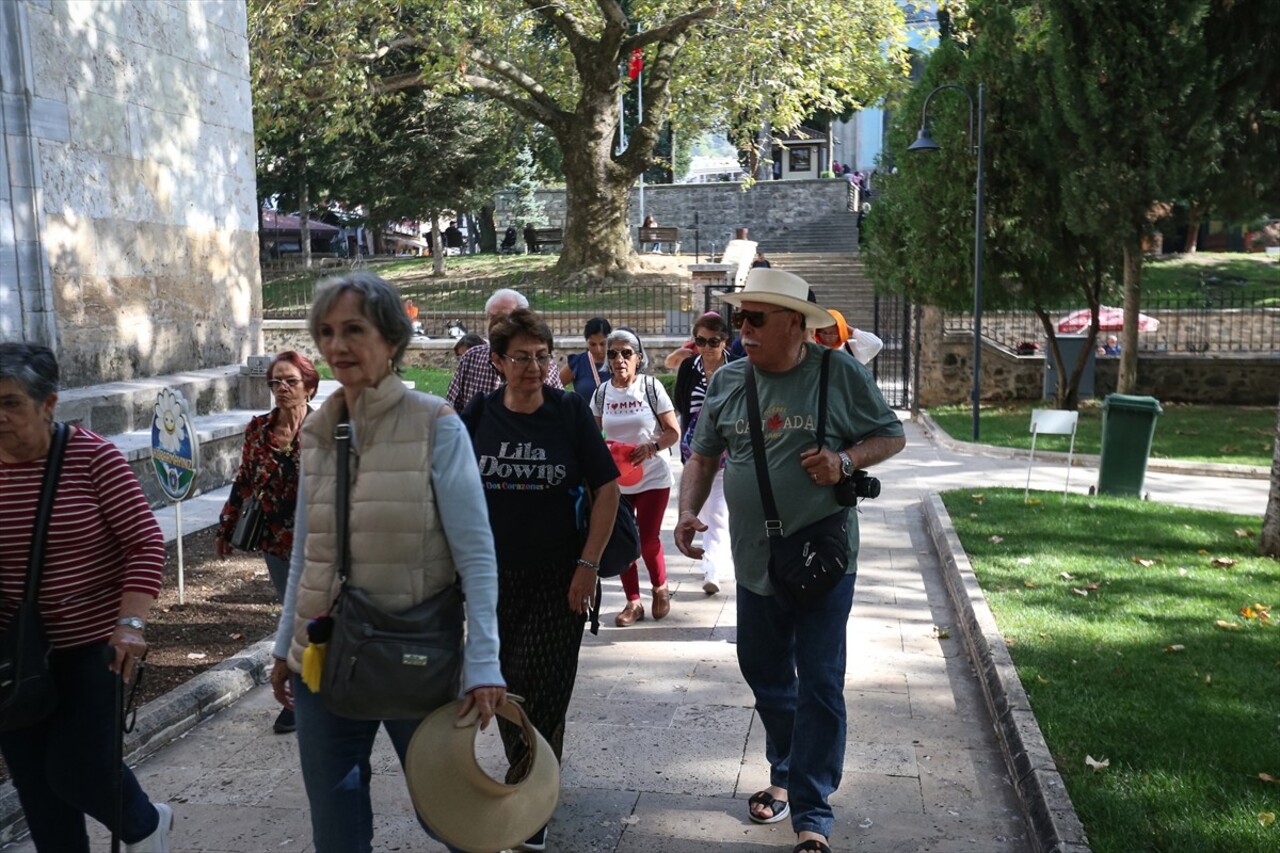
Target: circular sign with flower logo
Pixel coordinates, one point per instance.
(175, 449)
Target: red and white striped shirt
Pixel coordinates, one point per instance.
(103, 540)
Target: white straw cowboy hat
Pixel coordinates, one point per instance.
(781, 288)
(461, 803)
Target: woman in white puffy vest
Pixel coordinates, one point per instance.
(405, 544)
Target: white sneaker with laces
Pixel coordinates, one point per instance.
(158, 841)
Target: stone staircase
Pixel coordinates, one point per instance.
(220, 401)
(838, 281)
(831, 232)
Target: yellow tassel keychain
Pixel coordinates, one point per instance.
(319, 630)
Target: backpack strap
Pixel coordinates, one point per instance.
(597, 400)
(651, 393)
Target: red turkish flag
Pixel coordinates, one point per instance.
(636, 65)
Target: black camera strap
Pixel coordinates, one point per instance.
(772, 519)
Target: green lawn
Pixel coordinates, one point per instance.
(1143, 637)
(1243, 435)
(432, 380)
(1254, 278)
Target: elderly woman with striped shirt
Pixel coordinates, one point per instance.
(101, 574)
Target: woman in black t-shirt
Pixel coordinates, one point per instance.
(536, 445)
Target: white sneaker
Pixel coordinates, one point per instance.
(158, 841)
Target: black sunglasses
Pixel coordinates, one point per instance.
(619, 353)
(756, 318)
(708, 342)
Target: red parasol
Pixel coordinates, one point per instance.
(1109, 320)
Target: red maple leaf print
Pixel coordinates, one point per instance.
(775, 422)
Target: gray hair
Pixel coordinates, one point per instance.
(505, 294)
(629, 337)
(32, 366)
(379, 303)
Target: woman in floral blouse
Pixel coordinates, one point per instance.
(269, 471)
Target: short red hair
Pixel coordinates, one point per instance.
(310, 378)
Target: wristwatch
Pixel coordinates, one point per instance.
(846, 466)
(131, 622)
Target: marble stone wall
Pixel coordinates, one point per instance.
(773, 207)
(136, 143)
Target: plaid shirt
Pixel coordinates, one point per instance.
(477, 375)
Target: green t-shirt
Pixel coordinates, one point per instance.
(789, 417)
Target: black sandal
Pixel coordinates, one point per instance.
(813, 845)
(779, 808)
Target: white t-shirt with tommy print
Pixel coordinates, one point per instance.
(628, 418)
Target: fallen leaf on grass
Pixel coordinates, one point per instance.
(1040, 679)
(1227, 626)
(1175, 647)
(1145, 562)
(1094, 585)
(979, 499)
(1066, 576)
(1222, 562)
(1097, 765)
(1229, 448)
(1267, 777)
(1261, 612)
(996, 539)
(1243, 533)
(1266, 818)
(1034, 502)
(1084, 593)
(1030, 584)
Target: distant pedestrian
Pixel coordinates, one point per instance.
(530, 238)
(760, 261)
(585, 371)
(453, 236)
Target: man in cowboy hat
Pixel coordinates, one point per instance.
(793, 660)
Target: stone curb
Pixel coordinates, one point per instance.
(168, 717)
(1055, 827)
(1164, 466)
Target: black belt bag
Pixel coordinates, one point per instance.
(385, 666)
(805, 565)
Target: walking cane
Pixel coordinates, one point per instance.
(117, 752)
(124, 715)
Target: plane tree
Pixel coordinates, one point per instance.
(563, 65)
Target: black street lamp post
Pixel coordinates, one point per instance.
(924, 142)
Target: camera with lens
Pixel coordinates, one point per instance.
(860, 485)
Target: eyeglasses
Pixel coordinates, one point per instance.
(620, 353)
(708, 342)
(543, 360)
(756, 318)
(291, 382)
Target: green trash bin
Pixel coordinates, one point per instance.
(1128, 425)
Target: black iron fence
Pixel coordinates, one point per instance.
(1215, 323)
(651, 308)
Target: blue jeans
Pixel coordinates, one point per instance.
(62, 766)
(334, 752)
(794, 662)
(278, 571)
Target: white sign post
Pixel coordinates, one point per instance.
(175, 456)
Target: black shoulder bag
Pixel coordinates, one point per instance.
(387, 666)
(807, 564)
(27, 693)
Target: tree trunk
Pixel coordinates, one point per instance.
(1195, 215)
(1128, 377)
(1269, 541)
(304, 222)
(488, 231)
(437, 245)
(597, 193)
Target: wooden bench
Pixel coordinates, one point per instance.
(543, 237)
(655, 235)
